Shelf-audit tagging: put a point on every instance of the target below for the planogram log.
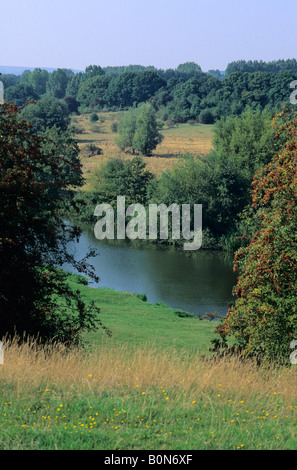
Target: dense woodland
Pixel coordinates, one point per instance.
(180, 95)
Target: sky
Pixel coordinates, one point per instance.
(164, 33)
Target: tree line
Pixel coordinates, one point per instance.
(178, 95)
(272, 66)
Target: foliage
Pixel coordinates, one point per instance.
(20, 94)
(38, 79)
(215, 184)
(189, 69)
(139, 130)
(94, 117)
(122, 178)
(180, 94)
(72, 104)
(114, 126)
(126, 131)
(251, 66)
(206, 117)
(247, 140)
(92, 71)
(74, 84)
(36, 174)
(131, 88)
(57, 83)
(117, 177)
(47, 113)
(264, 317)
(147, 136)
(92, 93)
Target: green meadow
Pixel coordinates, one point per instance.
(153, 384)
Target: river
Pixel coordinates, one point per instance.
(201, 283)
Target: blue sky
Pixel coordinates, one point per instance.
(163, 33)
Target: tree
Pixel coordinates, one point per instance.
(263, 320)
(20, 93)
(247, 140)
(189, 97)
(93, 71)
(120, 90)
(147, 135)
(116, 177)
(74, 84)
(92, 93)
(138, 130)
(57, 83)
(36, 174)
(71, 104)
(250, 66)
(122, 178)
(126, 131)
(145, 86)
(189, 69)
(216, 184)
(46, 113)
(9, 80)
(94, 117)
(38, 79)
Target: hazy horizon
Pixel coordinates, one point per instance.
(163, 33)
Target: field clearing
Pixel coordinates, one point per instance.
(184, 138)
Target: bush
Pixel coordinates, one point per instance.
(94, 150)
(114, 127)
(142, 297)
(94, 117)
(206, 117)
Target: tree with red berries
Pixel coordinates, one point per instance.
(263, 320)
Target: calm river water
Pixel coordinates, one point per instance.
(199, 284)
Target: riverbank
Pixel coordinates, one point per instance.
(134, 321)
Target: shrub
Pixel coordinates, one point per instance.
(94, 117)
(206, 117)
(114, 127)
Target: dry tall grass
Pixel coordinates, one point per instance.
(29, 365)
(184, 138)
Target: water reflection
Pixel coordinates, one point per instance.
(200, 283)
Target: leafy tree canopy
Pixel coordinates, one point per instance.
(36, 175)
(139, 130)
(263, 320)
(46, 113)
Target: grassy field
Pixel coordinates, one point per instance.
(184, 138)
(152, 385)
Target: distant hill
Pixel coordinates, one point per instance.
(19, 70)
